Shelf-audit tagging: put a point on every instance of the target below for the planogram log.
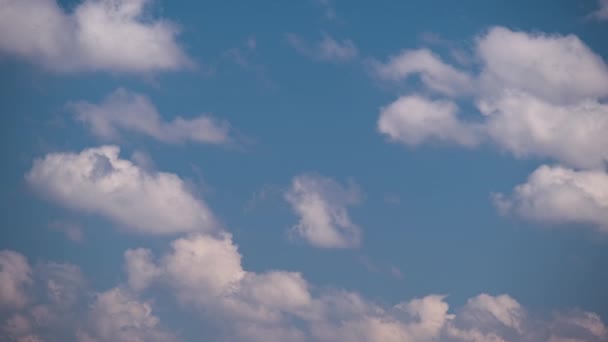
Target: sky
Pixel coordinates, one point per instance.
(315, 170)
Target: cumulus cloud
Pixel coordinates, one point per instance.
(433, 72)
(108, 35)
(533, 90)
(59, 307)
(516, 122)
(415, 119)
(98, 181)
(327, 49)
(557, 194)
(321, 204)
(529, 127)
(15, 274)
(539, 96)
(205, 273)
(124, 110)
(554, 68)
(116, 315)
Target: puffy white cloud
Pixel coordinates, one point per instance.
(140, 268)
(414, 120)
(327, 49)
(98, 181)
(486, 318)
(15, 274)
(206, 272)
(270, 306)
(559, 69)
(433, 72)
(109, 35)
(321, 203)
(540, 96)
(58, 307)
(124, 110)
(556, 194)
(527, 126)
(516, 122)
(533, 90)
(118, 316)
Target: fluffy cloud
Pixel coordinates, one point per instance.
(433, 72)
(516, 122)
(540, 96)
(109, 35)
(58, 307)
(560, 195)
(204, 273)
(414, 120)
(533, 90)
(128, 111)
(321, 203)
(529, 127)
(327, 49)
(15, 273)
(117, 316)
(558, 69)
(98, 181)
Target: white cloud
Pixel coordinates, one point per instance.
(15, 274)
(98, 181)
(414, 120)
(327, 49)
(533, 90)
(205, 272)
(539, 95)
(116, 315)
(558, 69)
(321, 204)
(516, 122)
(527, 126)
(124, 110)
(109, 35)
(58, 307)
(556, 194)
(434, 73)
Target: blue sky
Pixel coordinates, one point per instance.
(304, 171)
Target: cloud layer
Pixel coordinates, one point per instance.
(108, 35)
(98, 181)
